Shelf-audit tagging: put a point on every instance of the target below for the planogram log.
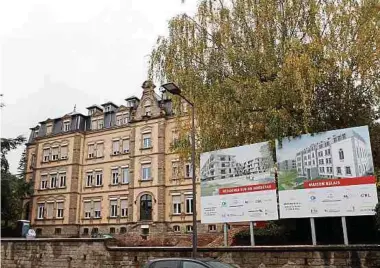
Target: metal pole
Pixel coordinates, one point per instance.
(344, 227)
(195, 231)
(313, 234)
(251, 224)
(225, 235)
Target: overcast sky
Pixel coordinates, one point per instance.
(55, 54)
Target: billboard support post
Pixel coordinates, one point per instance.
(313, 233)
(225, 231)
(251, 224)
(344, 227)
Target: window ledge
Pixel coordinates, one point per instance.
(54, 161)
(93, 186)
(146, 148)
(91, 218)
(113, 217)
(93, 158)
(119, 154)
(148, 180)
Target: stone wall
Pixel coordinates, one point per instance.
(83, 253)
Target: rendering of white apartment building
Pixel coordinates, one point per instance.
(219, 166)
(222, 166)
(345, 155)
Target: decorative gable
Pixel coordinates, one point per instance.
(148, 106)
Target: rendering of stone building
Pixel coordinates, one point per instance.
(111, 171)
(345, 155)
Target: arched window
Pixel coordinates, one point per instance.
(341, 154)
(146, 207)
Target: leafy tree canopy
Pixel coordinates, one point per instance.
(261, 70)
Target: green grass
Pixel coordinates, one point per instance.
(286, 179)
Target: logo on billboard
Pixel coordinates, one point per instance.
(313, 198)
(224, 203)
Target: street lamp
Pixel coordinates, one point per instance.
(175, 90)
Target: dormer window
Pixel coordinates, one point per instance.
(66, 125)
(125, 118)
(49, 129)
(91, 112)
(119, 120)
(147, 108)
(97, 124)
(36, 133)
(108, 108)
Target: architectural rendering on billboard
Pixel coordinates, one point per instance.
(238, 184)
(326, 174)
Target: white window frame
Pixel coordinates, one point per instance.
(100, 124)
(62, 178)
(91, 153)
(44, 181)
(89, 178)
(66, 126)
(46, 157)
(189, 228)
(189, 204)
(123, 210)
(115, 147)
(41, 211)
(119, 120)
(99, 149)
(125, 146)
(176, 200)
(53, 180)
(54, 153)
(98, 178)
(87, 214)
(125, 118)
(189, 171)
(64, 148)
(212, 228)
(115, 176)
(125, 180)
(49, 204)
(113, 208)
(49, 127)
(146, 172)
(147, 140)
(97, 213)
(60, 210)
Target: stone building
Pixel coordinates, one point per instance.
(111, 171)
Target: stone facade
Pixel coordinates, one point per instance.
(72, 161)
(92, 253)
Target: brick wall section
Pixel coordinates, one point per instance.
(89, 253)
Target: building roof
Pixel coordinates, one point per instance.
(95, 106)
(110, 103)
(132, 98)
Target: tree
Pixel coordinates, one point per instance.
(6, 146)
(265, 70)
(13, 189)
(261, 70)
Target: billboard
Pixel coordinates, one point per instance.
(238, 184)
(326, 174)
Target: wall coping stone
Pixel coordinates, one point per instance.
(286, 248)
(19, 239)
(289, 248)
